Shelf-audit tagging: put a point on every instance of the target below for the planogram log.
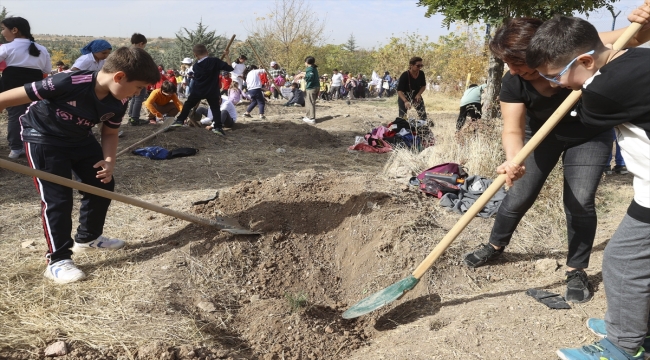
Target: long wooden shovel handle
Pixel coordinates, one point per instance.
(228, 47)
(541, 134)
(104, 193)
(262, 66)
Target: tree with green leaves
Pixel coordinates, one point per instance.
(351, 44)
(494, 13)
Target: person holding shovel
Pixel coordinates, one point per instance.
(527, 101)
(56, 133)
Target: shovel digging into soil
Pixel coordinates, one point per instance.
(223, 224)
(398, 289)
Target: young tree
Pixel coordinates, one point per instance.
(186, 39)
(494, 13)
(351, 44)
(288, 33)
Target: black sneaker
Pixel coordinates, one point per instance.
(483, 254)
(136, 122)
(247, 115)
(608, 171)
(577, 287)
(176, 123)
(219, 132)
(622, 170)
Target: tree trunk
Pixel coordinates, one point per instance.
(495, 73)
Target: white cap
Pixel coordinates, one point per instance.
(273, 63)
(186, 61)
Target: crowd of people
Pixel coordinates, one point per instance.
(554, 57)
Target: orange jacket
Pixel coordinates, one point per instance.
(157, 97)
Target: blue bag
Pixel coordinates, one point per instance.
(152, 152)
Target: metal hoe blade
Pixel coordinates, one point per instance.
(381, 298)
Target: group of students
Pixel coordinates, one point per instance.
(558, 56)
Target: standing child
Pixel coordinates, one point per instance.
(312, 87)
(205, 84)
(138, 41)
(93, 56)
(255, 90)
(26, 61)
(58, 140)
(615, 91)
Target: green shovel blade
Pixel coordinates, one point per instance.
(381, 298)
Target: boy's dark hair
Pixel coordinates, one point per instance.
(511, 39)
(136, 63)
(560, 40)
(414, 60)
(60, 63)
(199, 49)
(168, 87)
(137, 38)
(472, 86)
(66, 67)
(24, 29)
(295, 85)
(243, 57)
(335, 70)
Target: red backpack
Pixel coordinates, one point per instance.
(440, 179)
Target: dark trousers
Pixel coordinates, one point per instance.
(214, 101)
(257, 98)
(419, 107)
(334, 91)
(13, 127)
(583, 167)
(472, 110)
(57, 201)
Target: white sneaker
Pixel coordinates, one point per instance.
(101, 243)
(309, 121)
(15, 154)
(64, 272)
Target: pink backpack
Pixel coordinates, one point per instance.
(440, 179)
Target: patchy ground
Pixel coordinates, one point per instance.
(334, 231)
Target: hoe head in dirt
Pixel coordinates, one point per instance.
(398, 289)
(223, 224)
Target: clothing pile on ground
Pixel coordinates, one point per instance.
(412, 134)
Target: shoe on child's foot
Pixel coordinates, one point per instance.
(15, 154)
(101, 243)
(602, 350)
(309, 121)
(598, 327)
(219, 132)
(247, 115)
(608, 171)
(577, 287)
(176, 123)
(63, 272)
(483, 254)
(262, 117)
(620, 169)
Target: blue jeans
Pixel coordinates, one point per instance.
(618, 160)
(583, 167)
(257, 98)
(136, 104)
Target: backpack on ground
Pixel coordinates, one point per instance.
(440, 179)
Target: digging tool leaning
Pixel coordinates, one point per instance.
(165, 125)
(262, 66)
(223, 224)
(398, 289)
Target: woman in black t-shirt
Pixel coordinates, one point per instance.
(527, 100)
(410, 87)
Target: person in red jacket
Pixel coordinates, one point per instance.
(225, 80)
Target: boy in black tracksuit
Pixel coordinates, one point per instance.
(56, 130)
(615, 91)
(206, 85)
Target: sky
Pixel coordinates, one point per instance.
(372, 22)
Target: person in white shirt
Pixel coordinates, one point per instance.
(27, 62)
(239, 67)
(93, 56)
(228, 114)
(255, 91)
(337, 81)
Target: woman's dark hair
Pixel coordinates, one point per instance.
(512, 38)
(24, 29)
(311, 61)
(168, 87)
(241, 57)
(414, 60)
(137, 38)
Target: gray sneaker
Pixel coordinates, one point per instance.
(15, 154)
(483, 254)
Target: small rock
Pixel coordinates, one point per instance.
(221, 353)
(206, 306)
(346, 333)
(29, 244)
(329, 330)
(347, 115)
(255, 298)
(546, 265)
(280, 151)
(58, 348)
